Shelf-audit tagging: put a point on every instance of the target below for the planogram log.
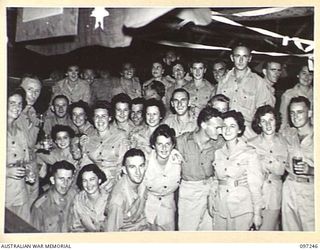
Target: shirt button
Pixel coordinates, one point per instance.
(165, 186)
(13, 142)
(101, 142)
(225, 169)
(14, 155)
(164, 175)
(100, 153)
(227, 190)
(227, 158)
(269, 181)
(270, 162)
(236, 90)
(160, 198)
(271, 151)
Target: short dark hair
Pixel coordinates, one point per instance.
(219, 98)
(18, 91)
(158, 87)
(137, 100)
(179, 90)
(179, 62)
(198, 60)
(61, 165)
(300, 99)
(158, 60)
(221, 61)
(271, 60)
(122, 97)
(90, 168)
(261, 111)
(30, 76)
(206, 114)
(153, 102)
(238, 117)
(132, 152)
(60, 96)
(166, 131)
(59, 128)
(79, 104)
(101, 104)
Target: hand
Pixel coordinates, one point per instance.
(42, 170)
(301, 168)
(15, 172)
(257, 221)
(83, 140)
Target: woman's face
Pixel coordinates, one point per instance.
(178, 72)
(79, 117)
(163, 147)
(101, 119)
(230, 129)
(305, 76)
(15, 104)
(268, 124)
(90, 182)
(122, 112)
(63, 139)
(153, 116)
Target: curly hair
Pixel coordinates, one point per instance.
(238, 117)
(165, 131)
(90, 168)
(261, 111)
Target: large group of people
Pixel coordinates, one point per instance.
(176, 152)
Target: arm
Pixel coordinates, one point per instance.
(114, 218)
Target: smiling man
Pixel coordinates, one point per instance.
(182, 120)
(50, 211)
(125, 209)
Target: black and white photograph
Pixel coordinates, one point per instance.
(142, 119)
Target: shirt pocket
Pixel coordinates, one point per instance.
(52, 224)
(247, 100)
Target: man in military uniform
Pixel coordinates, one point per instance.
(50, 211)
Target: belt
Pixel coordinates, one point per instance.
(269, 177)
(204, 181)
(300, 179)
(229, 183)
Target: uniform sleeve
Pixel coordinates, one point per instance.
(284, 110)
(114, 218)
(37, 218)
(74, 220)
(264, 96)
(255, 181)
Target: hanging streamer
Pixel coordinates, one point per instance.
(285, 39)
(260, 12)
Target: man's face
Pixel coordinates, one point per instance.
(136, 114)
(122, 112)
(299, 114)
(170, 57)
(60, 107)
(241, 57)
(75, 148)
(135, 168)
(79, 116)
(63, 139)
(305, 76)
(273, 72)
(101, 119)
(32, 88)
(218, 70)
(89, 75)
(73, 73)
(62, 181)
(180, 103)
(14, 106)
(90, 182)
(153, 116)
(213, 127)
(157, 70)
(221, 106)
(198, 70)
(178, 72)
(127, 71)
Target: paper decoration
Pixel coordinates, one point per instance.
(99, 13)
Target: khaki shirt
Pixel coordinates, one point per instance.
(199, 97)
(130, 87)
(286, 98)
(125, 209)
(86, 129)
(17, 150)
(81, 91)
(296, 148)
(161, 182)
(247, 95)
(49, 216)
(84, 217)
(52, 120)
(181, 127)
(229, 166)
(273, 160)
(197, 163)
(107, 152)
(101, 89)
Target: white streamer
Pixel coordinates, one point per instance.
(260, 12)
